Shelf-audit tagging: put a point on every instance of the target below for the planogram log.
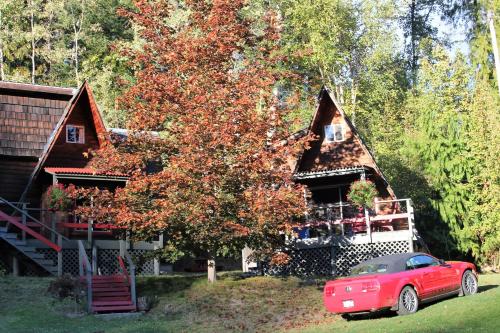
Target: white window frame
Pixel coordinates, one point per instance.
(81, 133)
(332, 127)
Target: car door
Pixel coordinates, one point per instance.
(449, 278)
(425, 270)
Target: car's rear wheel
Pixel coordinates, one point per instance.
(408, 301)
(469, 283)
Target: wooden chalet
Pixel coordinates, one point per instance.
(44, 135)
(336, 235)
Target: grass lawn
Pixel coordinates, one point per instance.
(263, 304)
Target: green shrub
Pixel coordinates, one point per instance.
(362, 193)
(67, 286)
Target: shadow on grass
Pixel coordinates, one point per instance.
(389, 314)
(482, 289)
(162, 285)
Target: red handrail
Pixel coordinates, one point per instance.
(86, 225)
(28, 230)
(124, 269)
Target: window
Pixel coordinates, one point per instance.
(75, 134)
(369, 269)
(334, 132)
(421, 262)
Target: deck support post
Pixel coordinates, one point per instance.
(15, 266)
(23, 233)
(59, 256)
(368, 226)
(94, 259)
(156, 261)
(80, 263)
(409, 211)
(53, 226)
(212, 276)
(123, 247)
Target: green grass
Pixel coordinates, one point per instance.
(263, 304)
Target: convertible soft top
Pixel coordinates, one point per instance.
(395, 262)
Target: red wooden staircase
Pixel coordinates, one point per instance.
(109, 293)
(15, 229)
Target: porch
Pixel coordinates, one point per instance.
(389, 220)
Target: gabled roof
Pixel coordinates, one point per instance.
(97, 120)
(329, 168)
(28, 115)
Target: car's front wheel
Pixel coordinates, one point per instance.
(408, 301)
(469, 283)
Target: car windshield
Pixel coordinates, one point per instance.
(369, 269)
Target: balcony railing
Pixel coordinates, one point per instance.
(347, 219)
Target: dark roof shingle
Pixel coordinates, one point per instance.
(28, 116)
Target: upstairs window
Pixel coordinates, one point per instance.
(75, 134)
(334, 132)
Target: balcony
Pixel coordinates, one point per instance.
(346, 219)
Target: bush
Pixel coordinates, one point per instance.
(362, 193)
(59, 198)
(146, 303)
(67, 286)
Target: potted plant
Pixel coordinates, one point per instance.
(362, 193)
(58, 198)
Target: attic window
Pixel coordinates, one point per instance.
(75, 134)
(334, 132)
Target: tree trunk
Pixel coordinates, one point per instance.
(77, 76)
(494, 46)
(413, 51)
(32, 22)
(212, 277)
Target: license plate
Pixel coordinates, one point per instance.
(348, 303)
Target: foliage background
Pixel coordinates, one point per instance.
(429, 113)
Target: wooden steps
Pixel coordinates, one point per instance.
(21, 246)
(111, 294)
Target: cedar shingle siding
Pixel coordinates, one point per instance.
(28, 118)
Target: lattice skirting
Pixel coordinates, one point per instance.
(107, 262)
(334, 260)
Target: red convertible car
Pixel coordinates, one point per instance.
(399, 282)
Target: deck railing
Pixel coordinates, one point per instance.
(24, 222)
(129, 277)
(346, 219)
(85, 270)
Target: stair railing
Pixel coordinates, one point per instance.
(85, 270)
(25, 229)
(129, 277)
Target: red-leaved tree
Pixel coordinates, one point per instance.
(205, 149)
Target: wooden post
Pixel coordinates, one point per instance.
(368, 226)
(122, 245)
(409, 211)
(23, 234)
(59, 255)
(94, 259)
(15, 266)
(89, 232)
(80, 262)
(212, 276)
(156, 261)
(53, 225)
(333, 260)
(341, 204)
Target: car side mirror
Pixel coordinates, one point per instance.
(443, 263)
